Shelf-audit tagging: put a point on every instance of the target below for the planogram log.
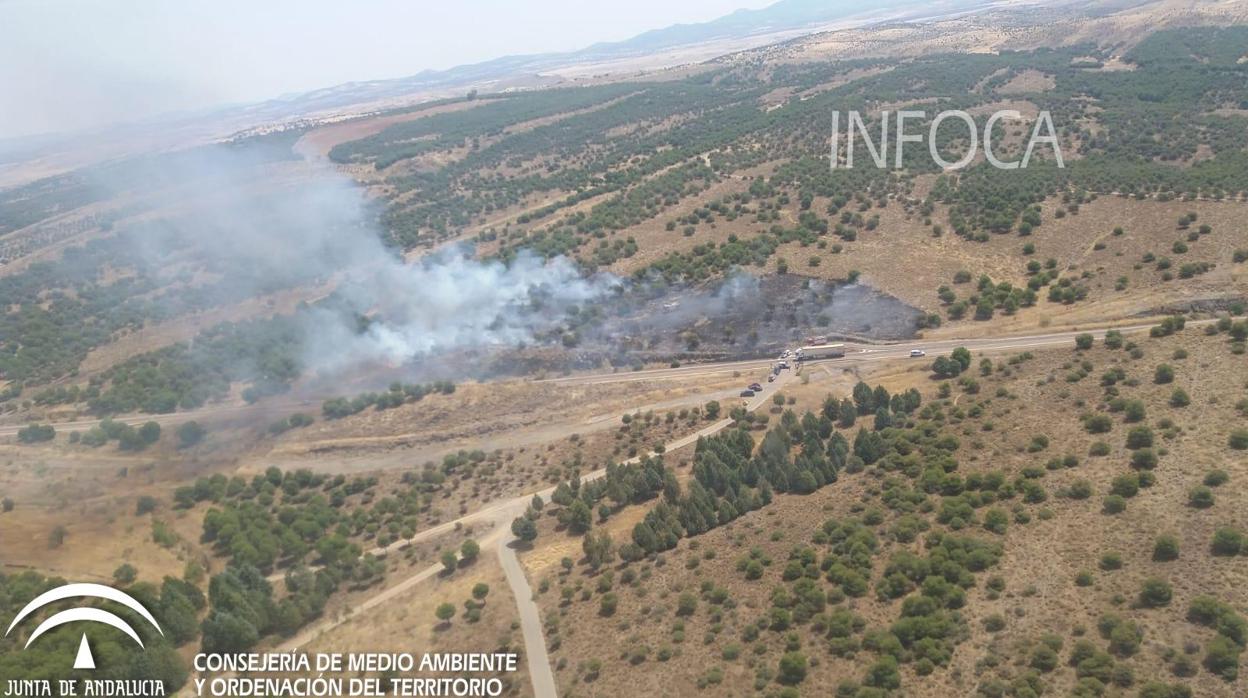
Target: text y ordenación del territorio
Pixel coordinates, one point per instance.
(301, 674)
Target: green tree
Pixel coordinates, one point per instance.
(963, 356)
(450, 561)
(445, 612)
(469, 550)
(577, 517)
(149, 433)
(190, 433)
(598, 548)
(523, 528)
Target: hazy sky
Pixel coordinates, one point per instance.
(72, 64)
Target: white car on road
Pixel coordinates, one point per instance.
(916, 353)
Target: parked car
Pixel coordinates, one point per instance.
(771, 378)
(747, 393)
(916, 353)
(755, 387)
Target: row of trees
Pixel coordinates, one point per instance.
(398, 394)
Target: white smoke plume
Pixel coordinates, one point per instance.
(249, 224)
(450, 301)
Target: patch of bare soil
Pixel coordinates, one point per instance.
(1027, 81)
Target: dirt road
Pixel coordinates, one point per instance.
(499, 515)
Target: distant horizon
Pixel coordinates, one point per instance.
(73, 66)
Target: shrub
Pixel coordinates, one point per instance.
(1238, 440)
(1083, 341)
(1215, 478)
(36, 433)
(1114, 504)
(1163, 374)
(1043, 658)
(1180, 398)
(1155, 593)
(1222, 657)
(1143, 459)
(1111, 561)
(1124, 641)
(686, 604)
(1200, 497)
(1227, 542)
(1098, 424)
(607, 604)
(1157, 689)
(1166, 548)
(792, 669)
(125, 574)
(145, 504)
(1125, 485)
(996, 520)
(1079, 489)
(883, 673)
(1139, 437)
